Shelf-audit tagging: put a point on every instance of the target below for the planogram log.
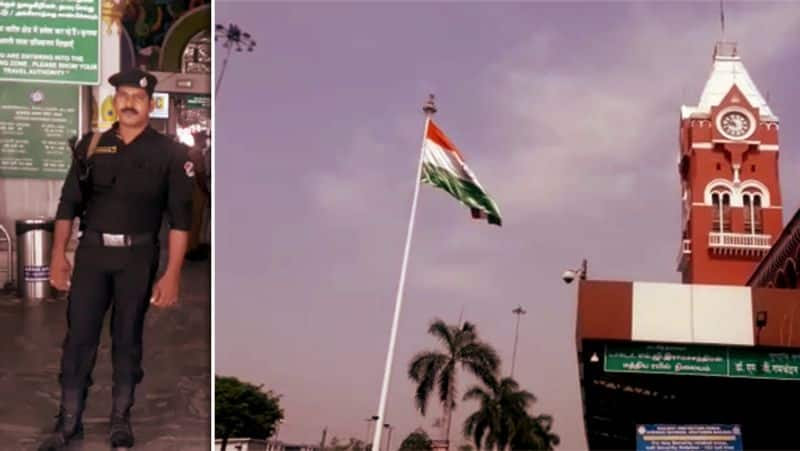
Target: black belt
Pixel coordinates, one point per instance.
(90, 237)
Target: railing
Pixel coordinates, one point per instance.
(739, 242)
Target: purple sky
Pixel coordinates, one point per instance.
(568, 114)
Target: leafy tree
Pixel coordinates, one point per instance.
(417, 441)
(244, 410)
(436, 368)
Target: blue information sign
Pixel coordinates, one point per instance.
(688, 437)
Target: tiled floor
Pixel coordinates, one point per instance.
(172, 410)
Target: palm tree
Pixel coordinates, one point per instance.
(434, 368)
(501, 417)
(535, 433)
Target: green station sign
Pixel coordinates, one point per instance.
(36, 122)
(699, 360)
(50, 41)
(198, 102)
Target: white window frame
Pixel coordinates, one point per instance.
(750, 209)
(720, 193)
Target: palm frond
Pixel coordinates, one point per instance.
(471, 422)
(423, 371)
(478, 393)
(481, 430)
(481, 353)
(485, 373)
(523, 399)
(545, 421)
(443, 333)
(447, 384)
(420, 363)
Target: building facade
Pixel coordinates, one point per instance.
(728, 165)
(717, 350)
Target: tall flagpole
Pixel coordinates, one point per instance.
(429, 108)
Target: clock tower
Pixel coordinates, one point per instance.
(728, 167)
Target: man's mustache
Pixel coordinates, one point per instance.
(130, 110)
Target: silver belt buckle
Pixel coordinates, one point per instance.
(115, 240)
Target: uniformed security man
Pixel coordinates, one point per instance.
(120, 185)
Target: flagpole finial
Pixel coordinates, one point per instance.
(429, 107)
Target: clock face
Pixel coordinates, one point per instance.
(735, 124)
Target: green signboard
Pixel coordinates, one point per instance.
(36, 121)
(50, 41)
(698, 360)
(198, 102)
(773, 365)
(666, 359)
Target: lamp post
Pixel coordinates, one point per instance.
(388, 436)
(519, 311)
(369, 421)
(232, 38)
(278, 429)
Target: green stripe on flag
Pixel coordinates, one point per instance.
(465, 191)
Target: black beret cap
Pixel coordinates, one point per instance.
(134, 77)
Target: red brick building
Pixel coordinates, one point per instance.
(723, 346)
(728, 164)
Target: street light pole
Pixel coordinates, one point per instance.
(222, 71)
(519, 311)
(388, 437)
(369, 425)
(232, 38)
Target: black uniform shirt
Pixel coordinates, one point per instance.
(132, 185)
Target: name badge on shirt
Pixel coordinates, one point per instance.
(105, 149)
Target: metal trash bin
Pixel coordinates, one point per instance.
(34, 242)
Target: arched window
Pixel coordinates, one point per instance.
(780, 280)
(196, 57)
(791, 274)
(751, 201)
(722, 211)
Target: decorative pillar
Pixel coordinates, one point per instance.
(110, 48)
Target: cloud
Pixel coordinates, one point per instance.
(568, 131)
(567, 138)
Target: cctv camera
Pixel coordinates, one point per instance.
(568, 276)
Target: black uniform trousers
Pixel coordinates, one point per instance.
(120, 277)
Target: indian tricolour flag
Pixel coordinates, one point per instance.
(443, 166)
